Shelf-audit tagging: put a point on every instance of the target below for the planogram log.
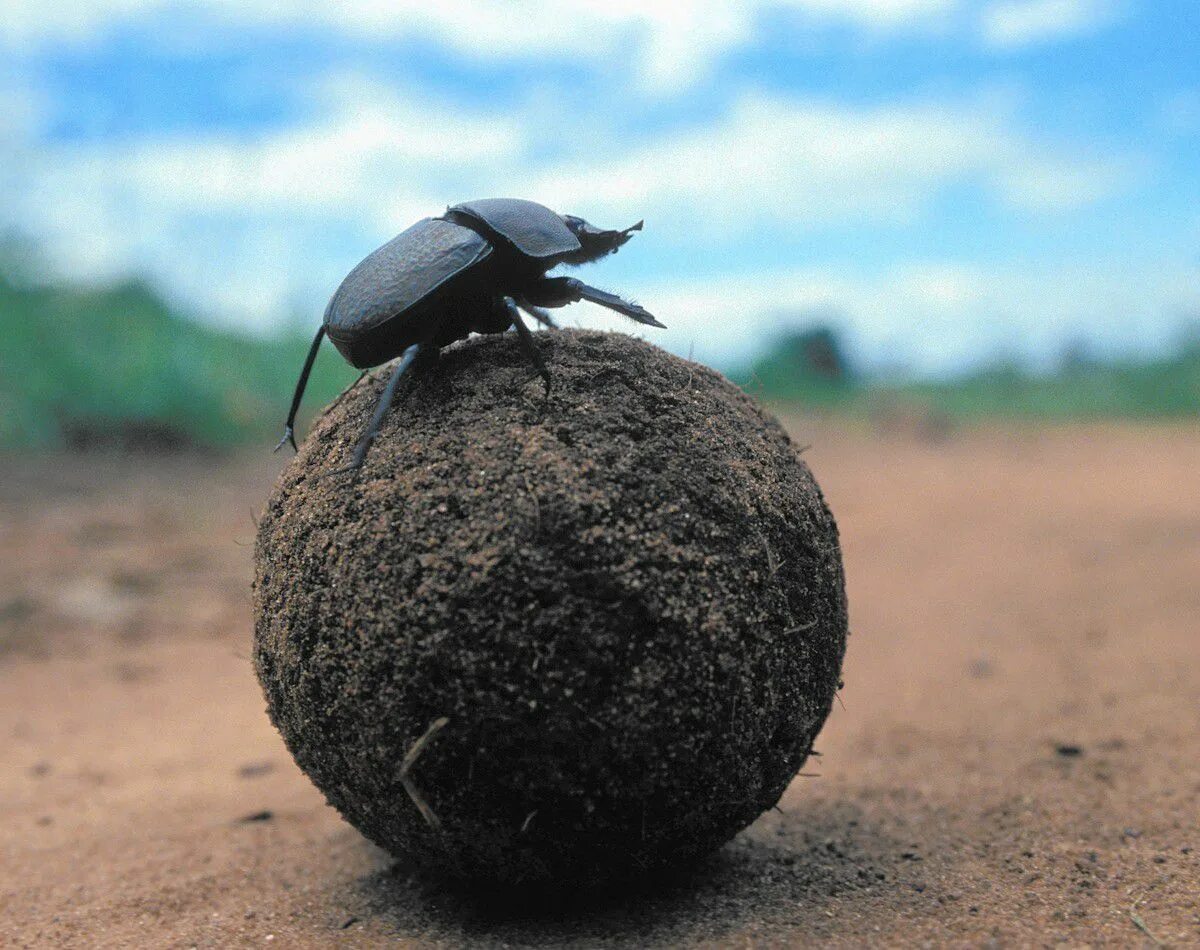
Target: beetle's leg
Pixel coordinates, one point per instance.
(560, 291)
(381, 408)
(289, 434)
(527, 343)
(538, 314)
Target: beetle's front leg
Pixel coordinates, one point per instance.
(560, 291)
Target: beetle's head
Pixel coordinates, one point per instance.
(595, 242)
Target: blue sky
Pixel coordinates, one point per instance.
(948, 181)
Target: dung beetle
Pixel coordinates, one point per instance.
(471, 270)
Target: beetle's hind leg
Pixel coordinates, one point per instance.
(527, 343)
(289, 431)
(381, 409)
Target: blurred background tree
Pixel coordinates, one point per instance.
(119, 367)
(808, 365)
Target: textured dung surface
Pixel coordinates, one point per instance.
(627, 599)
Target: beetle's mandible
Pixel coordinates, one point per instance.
(471, 270)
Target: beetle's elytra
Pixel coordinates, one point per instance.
(471, 270)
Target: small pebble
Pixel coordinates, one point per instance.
(255, 769)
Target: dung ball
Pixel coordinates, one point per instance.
(554, 639)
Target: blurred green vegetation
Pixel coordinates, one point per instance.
(809, 368)
(119, 365)
(806, 367)
(115, 365)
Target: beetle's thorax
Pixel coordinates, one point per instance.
(511, 268)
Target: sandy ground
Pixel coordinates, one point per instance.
(1017, 761)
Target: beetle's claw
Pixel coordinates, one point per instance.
(643, 315)
(640, 314)
(288, 436)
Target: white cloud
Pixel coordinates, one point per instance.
(768, 158)
(20, 113)
(368, 148)
(669, 44)
(1013, 24)
(806, 165)
(1049, 184)
(248, 225)
(213, 216)
(875, 14)
(27, 23)
(486, 28)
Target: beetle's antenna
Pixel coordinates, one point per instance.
(289, 432)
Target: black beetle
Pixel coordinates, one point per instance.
(469, 271)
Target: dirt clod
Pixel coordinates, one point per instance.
(625, 601)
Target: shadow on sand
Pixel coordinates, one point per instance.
(787, 870)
